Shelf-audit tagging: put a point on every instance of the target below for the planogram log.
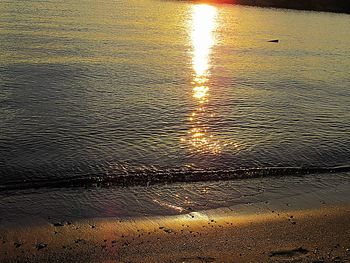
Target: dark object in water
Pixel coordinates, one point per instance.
(274, 41)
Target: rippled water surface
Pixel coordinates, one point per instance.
(100, 88)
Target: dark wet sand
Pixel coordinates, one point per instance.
(319, 235)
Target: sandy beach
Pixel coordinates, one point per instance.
(317, 235)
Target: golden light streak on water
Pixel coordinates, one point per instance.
(203, 26)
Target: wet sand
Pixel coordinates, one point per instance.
(222, 235)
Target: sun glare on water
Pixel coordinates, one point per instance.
(202, 27)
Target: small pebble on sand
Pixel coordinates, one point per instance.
(41, 246)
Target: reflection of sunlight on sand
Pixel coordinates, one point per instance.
(167, 205)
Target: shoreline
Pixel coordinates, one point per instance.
(257, 195)
(220, 235)
(338, 7)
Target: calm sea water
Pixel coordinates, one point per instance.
(94, 90)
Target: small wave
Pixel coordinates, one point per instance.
(166, 177)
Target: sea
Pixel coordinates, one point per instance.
(124, 108)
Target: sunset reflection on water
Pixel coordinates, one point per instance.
(203, 26)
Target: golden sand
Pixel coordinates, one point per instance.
(319, 235)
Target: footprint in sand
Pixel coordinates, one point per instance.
(291, 254)
(198, 259)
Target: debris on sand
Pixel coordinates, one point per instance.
(58, 224)
(41, 246)
(288, 253)
(17, 244)
(167, 230)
